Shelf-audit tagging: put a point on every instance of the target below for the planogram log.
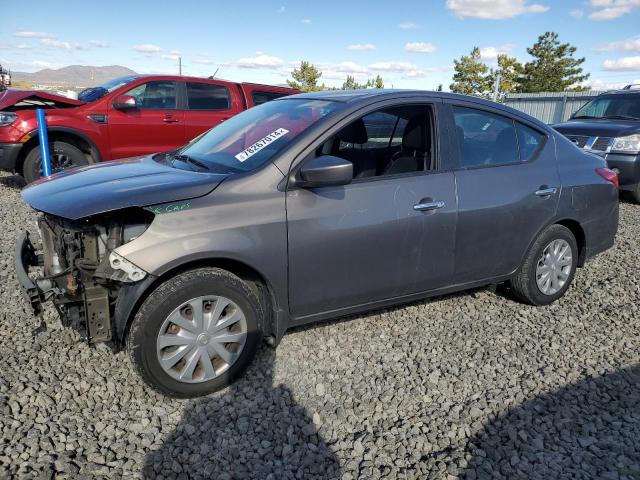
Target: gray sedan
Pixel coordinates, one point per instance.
(306, 208)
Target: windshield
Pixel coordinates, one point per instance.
(252, 138)
(611, 106)
(94, 93)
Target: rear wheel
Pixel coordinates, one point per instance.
(196, 333)
(635, 194)
(549, 267)
(63, 155)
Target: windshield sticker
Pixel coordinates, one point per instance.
(260, 144)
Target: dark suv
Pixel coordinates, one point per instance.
(609, 126)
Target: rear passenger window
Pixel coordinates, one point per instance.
(206, 96)
(259, 98)
(528, 141)
(484, 139)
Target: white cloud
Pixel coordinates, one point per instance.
(415, 74)
(41, 64)
(306, 21)
(172, 55)
(408, 26)
(28, 34)
(611, 9)
(98, 44)
(629, 45)
(349, 67)
(577, 13)
(259, 61)
(491, 53)
(399, 67)
(494, 9)
(361, 47)
(147, 48)
(19, 46)
(625, 64)
(50, 42)
(420, 47)
(599, 84)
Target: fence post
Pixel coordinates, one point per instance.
(44, 143)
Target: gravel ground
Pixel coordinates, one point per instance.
(465, 386)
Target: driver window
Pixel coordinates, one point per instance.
(392, 141)
(158, 95)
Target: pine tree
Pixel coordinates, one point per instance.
(305, 78)
(553, 68)
(470, 77)
(378, 82)
(510, 71)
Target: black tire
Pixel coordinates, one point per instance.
(63, 155)
(635, 194)
(141, 341)
(524, 285)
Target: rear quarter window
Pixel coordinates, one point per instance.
(206, 96)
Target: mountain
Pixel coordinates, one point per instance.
(73, 75)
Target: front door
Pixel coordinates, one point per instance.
(389, 233)
(508, 191)
(155, 125)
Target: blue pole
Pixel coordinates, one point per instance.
(44, 143)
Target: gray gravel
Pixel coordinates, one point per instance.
(465, 386)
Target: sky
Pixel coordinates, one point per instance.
(410, 43)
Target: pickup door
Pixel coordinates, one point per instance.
(156, 124)
(209, 104)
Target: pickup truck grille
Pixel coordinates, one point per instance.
(600, 144)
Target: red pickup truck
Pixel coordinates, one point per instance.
(124, 117)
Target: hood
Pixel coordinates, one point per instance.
(598, 128)
(35, 99)
(107, 186)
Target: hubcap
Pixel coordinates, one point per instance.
(201, 339)
(554, 267)
(59, 161)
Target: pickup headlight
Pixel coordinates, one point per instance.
(7, 118)
(628, 144)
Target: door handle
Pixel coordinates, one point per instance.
(546, 191)
(425, 207)
(169, 120)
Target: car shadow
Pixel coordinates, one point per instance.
(590, 429)
(253, 429)
(13, 181)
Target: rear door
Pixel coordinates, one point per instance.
(155, 125)
(389, 233)
(508, 190)
(208, 105)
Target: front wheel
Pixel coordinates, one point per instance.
(549, 267)
(63, 155)
(196, 333)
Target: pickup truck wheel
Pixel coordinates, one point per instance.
(63, 155)
(196, 333)
(548, 269)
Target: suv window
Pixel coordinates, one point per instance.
(206, 96)
(156, 95)
(612, 106)
(391, 141)
(258, 98)
(484, 138)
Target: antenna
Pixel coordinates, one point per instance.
(180, 66)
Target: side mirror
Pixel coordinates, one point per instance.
(123, 102)
(325, 171)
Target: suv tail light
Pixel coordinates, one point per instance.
(609, 176)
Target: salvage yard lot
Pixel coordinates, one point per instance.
(473, 385)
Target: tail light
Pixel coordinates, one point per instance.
(609, 176)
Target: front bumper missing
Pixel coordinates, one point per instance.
(25, 256)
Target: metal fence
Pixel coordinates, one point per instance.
(549, 107)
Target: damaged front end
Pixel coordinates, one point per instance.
(76, 266)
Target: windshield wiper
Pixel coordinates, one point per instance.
(187, 159)
(621, 117)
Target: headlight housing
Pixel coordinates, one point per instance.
(628, 144)
(7, 118)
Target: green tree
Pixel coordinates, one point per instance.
(351, 84)
(510, 71)
(439, 89)
(306, 78)
(553, 68)
(378, 82)
(470, 77)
